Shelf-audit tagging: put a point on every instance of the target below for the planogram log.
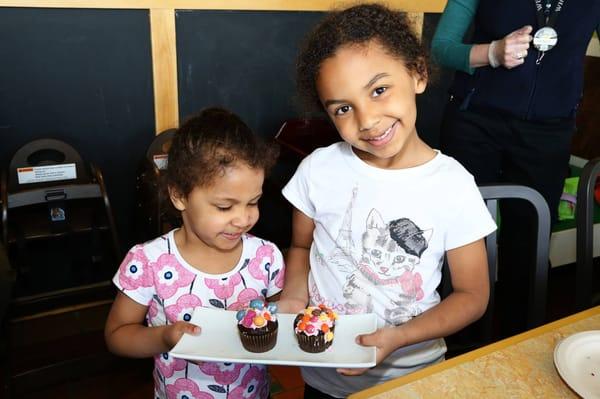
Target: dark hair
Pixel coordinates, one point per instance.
(209, 142)
(355, 26)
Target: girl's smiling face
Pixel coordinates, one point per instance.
(216, 216)
(370, 97)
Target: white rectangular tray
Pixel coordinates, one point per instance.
(219, 341)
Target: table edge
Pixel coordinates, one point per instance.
(477, 353)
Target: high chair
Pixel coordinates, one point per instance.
(56, 215)
(584, 212)
(61, 240)
(154, 214)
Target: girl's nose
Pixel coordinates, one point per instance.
(367, 120)
(242, 219)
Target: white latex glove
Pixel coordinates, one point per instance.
(511, 50)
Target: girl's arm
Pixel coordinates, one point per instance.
(295, 290)
(449, 50)
(467, 303)
(125, 334)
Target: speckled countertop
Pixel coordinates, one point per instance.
(518, 367)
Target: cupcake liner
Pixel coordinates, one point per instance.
(259, 340)
(313, 343)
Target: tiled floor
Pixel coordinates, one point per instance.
(286, 382)
(132, 380)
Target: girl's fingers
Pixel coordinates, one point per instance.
(351, 372)
(191, 329)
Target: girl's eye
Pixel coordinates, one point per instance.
(342, 110)
(223, 208)
(253, 204)
(379, 91)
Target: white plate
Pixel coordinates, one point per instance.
(577, 359)
(219, 341)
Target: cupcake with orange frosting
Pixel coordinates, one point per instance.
(258, 326)
(314, 328)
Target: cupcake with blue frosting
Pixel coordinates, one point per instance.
(257, 325)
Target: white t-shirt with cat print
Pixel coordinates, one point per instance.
(378, 245)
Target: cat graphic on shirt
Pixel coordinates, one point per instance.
(390, 255)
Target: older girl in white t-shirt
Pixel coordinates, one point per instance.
(376, 214)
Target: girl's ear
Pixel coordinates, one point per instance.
(177, 199)
(421, 76)
(420, 84)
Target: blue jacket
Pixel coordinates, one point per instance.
(549, 90)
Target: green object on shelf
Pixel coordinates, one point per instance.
(570, 223)
(566, 206)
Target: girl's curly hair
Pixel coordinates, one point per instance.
(209, 142)
(355, 26)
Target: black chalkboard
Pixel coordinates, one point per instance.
(243, 61)
(83, 76)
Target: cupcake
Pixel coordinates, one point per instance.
(314, 328)
(257, 325)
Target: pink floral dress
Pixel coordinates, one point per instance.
(155, 275)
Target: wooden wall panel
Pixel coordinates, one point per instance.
(164, 67)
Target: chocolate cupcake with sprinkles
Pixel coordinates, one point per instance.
(314, 328)
(258, 326)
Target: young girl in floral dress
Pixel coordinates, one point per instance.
(215, 176)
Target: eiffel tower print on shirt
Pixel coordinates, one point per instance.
(344, 244)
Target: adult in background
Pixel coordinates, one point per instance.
(511, 112)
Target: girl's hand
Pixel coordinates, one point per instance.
(173, 332)
(511, 50)
(384, 339)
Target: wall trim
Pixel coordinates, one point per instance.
(434, 6)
